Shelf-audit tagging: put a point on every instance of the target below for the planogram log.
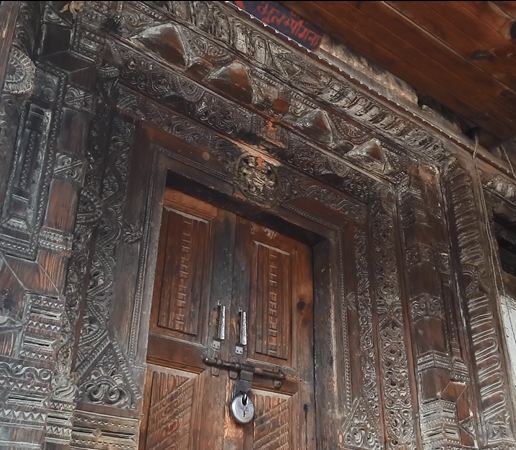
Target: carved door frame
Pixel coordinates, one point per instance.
(80, 84)
(224, 171)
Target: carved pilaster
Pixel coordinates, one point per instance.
(444, 388)
(396, 380)
(480, 310)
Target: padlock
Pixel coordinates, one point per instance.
(242, 408)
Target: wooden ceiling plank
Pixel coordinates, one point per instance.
(429, 55)
(356, 30)
(358, 35)
(401, 35)
(456, 23)
(492, 17)
(443, 22)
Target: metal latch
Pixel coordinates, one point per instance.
(235, 369)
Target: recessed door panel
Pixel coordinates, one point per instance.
(269, 306)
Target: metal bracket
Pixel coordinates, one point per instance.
(244, 382)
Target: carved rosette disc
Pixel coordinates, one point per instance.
(257, 179)
(20, 73)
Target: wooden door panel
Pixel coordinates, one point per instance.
(183, 410)
(170, 410)
(269, 309)
(273, 282)
(182, 302)
(183, 270)
(275, 423)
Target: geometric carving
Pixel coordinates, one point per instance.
(24, 392)
(438, 419)
(42, 326)
(318, 125)
(93, 430)
(166, 41)
(55, 240)
(372, 155)
(234, 80)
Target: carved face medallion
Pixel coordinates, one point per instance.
(257, 179)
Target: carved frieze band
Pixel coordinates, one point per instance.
(224, 116)
(256, 178)
(292, 70)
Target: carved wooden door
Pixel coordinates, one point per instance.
(228, 293)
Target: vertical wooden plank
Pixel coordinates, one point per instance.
(8, 15)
